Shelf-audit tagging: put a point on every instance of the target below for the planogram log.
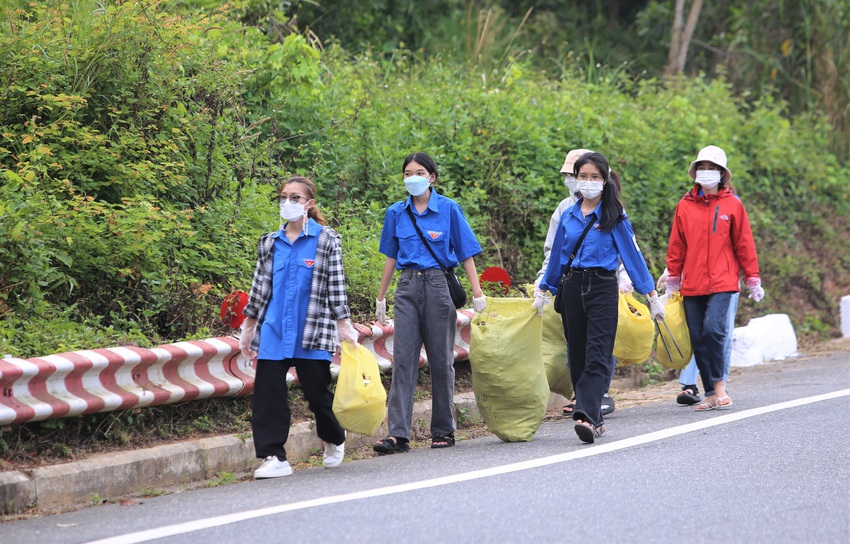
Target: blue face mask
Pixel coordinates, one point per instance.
(416, 185)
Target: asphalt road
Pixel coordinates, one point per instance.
(773, 468)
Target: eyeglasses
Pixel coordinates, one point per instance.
(295, 199)
(594, 177)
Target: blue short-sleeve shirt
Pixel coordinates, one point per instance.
(292, 277)
(444, 226)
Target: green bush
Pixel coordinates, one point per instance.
(140, 151)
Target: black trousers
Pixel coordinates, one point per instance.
(271, 416)
(589, 313)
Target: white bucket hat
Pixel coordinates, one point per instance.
(571, 159)
(713, 154)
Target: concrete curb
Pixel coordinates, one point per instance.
(113, 475)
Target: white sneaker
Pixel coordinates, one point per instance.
(332, 457)
(273, 467)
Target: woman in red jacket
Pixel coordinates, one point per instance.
(711, 243)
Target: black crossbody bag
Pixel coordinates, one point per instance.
(558, 297)
(455, 288)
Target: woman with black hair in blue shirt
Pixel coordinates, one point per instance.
(424, 311)
(585, 271)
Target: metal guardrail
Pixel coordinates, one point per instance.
(120, 378)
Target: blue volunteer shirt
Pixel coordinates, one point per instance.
(292, 278)
(598, 250)
(442, 223)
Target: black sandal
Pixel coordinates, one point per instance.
(392, 444)
(688, 396)
(587, 432)
(570, 408)
(443, 440)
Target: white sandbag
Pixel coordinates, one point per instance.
(845, 316)
(767, 338)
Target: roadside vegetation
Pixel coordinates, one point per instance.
(141, 144)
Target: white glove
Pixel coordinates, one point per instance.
(381, 311)
(626, 286)
(479, 303)
(674, 284)
(246, 337)
(347, 333)
(656, 309)
(756, 291)
(661, 284)
(541, 299)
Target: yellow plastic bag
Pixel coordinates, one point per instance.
(554, 353)
(674, 308)
(360, 401)
(508, 377)
(635, 331)
(553, 349)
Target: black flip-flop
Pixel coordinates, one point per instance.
(570, 408)
(587, 432)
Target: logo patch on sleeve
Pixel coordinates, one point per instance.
(309, 262)
(434, 234)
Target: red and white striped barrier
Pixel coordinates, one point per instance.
(102, 380)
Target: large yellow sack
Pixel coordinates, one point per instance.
(635, 331)
(554, 352)
(674, 308)
(360, 400)
(508, 377)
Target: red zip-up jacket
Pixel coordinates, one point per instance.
(711, 242)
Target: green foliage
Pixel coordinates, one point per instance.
(141, 145)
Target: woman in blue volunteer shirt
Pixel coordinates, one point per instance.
(587, 277)
(298, 299)
(424, 312)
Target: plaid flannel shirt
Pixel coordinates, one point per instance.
(328, 299)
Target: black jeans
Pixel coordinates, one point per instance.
(589, 312)
(271, 417)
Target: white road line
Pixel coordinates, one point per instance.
(198, 525)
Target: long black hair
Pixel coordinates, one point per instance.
(612, 207)
(423, 159)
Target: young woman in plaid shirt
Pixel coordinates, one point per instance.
(298, 299)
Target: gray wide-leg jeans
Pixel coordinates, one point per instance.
(424, 313)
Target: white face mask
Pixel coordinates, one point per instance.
(417, 185)
(590, 189)
(571, 183)
(291, 211)
(709, 179)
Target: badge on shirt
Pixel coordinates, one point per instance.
(309, 262)
(434, 234)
